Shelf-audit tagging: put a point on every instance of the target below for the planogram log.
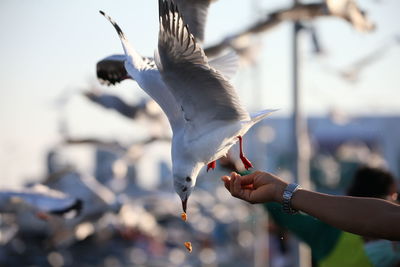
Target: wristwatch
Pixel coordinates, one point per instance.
(287, 197)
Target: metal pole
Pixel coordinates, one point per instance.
(300, 139)
(261, 250)
(296, 116)
(301, 142)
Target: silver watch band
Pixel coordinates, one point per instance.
(287, 197)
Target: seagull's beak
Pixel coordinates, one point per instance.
(184, 205)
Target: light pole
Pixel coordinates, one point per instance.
(301, 145)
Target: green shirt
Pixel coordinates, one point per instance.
(329, 245)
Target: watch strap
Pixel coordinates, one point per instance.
(287, 197)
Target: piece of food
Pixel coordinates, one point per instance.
(188, 246)
(184, 216)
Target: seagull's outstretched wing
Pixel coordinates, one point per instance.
(202, 92)
(194, 13)
(145, 72)
(350, 11)
(111, 70)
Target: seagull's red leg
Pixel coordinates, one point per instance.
(211, 165)
(247, 164)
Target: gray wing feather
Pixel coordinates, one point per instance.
(203, 93)
(144, 71)
(194, 13)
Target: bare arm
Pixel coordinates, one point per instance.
(370, 217)
(364, 216)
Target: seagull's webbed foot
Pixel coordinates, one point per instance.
(247, 164)
(211, 165)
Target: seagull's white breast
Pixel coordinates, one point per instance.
(214, 141)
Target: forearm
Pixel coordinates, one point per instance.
(364, 216)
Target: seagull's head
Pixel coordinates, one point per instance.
(184, 181)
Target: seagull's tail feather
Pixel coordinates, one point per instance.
(137, 60)
(258, 116)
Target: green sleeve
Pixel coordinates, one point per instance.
(320, 236)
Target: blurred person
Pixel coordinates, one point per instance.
(361, 217)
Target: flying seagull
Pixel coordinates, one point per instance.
(39, 199)
(353, 71)
(202, 107)
(348, 10)
(111, 70)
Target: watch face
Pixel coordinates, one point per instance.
(287, 196)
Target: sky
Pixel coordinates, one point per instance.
(49, 49)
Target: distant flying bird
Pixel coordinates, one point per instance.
(40, 199)
(345, 9)
(350, 11)
(145, 107)
(114, 146)
(111, 70)
(116, 103)
(97, 199)
(352, 72)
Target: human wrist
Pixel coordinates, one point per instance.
(297, 198)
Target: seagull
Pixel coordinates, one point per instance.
(350, 11)
(146, 107)
(352, 72)
(344, 9)
(202, 107)
(40, 199)
(111, 70)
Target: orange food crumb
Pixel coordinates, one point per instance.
(184, 216)
(188, 246)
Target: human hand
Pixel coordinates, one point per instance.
(257, 187)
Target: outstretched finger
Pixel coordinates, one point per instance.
(231, 183)
(236, 186)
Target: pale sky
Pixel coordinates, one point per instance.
(50, 48)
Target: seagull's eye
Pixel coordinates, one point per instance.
(184, 189)
(188, 179)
